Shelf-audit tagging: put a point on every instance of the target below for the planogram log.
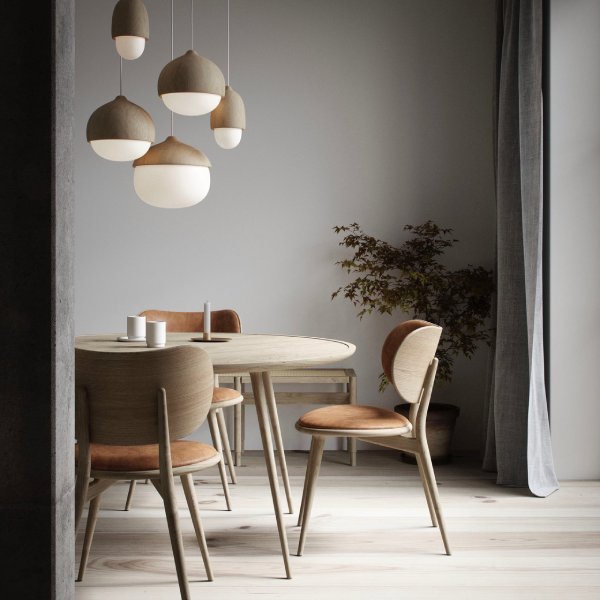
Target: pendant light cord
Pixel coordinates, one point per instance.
(171, 57)
(120, 75)
(192, 1)
(227, 42)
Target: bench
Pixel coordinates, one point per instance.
(346, 378)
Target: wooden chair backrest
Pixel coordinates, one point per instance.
(407, 354)
(222, 321)
(121, 390)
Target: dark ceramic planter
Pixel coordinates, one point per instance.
(441, 419)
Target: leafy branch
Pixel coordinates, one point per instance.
(412, 278)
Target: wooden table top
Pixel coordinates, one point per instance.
(243, 353)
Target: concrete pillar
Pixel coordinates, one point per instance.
(36, 301)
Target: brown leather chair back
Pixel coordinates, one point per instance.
(120, 392)
(221, 321)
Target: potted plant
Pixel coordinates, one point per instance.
(412, 278)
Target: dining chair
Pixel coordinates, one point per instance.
(409, 363)
(222, 321)
(132, 409)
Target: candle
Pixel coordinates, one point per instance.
(207, 320)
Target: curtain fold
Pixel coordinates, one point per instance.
(518, 434)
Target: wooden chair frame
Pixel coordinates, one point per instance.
(162, 479)
(411, 439)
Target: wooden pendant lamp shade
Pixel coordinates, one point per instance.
(173, 152)
(230, 113)
(120, 130)
(191, 74)
(130, 18)
(120, 119)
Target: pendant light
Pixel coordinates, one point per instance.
(172, 174)
(130, 28)
(191, 84)
(228, 120)
(120, 130)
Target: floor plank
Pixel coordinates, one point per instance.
(370, 537)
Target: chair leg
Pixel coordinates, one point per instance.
(426, 490)
(81, 487)
(243, 428)
(303, 501)
(216, 439)
(433, 489)
(192, 502)
(225, 442)
(166, 488)
(130, 493)
(237, 433)
(312, 473)
(237, 424)
(352, 391)
(89, 535)
(352, 450)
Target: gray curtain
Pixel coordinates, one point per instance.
(518, 434)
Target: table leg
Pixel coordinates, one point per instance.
(268, 385)
(237, 424)
(262, 410)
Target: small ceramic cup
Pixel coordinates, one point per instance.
(136, 327)
(156, 334)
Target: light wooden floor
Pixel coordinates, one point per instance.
(370, 538)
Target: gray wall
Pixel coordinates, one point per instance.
(375, 112)
(574, 239)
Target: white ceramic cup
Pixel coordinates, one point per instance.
(136, 327)
(156, 334)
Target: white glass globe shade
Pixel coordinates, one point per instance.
(171, 186)
(191, 104)
(120, 150)
(130, 47)
(228, 137)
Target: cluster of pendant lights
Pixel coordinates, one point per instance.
(170, 174)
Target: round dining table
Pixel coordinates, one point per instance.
(258, 355)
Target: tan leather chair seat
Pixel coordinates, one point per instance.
(353, 416)
(145, 458)
(224, 394)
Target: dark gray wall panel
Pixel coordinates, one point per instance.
(36, 298)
